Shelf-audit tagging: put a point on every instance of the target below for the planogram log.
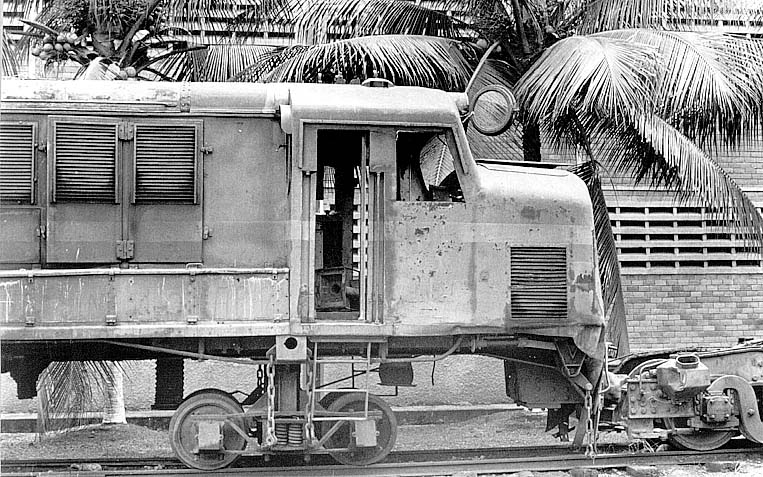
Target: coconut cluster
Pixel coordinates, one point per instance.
(122, 73)
(57, 47)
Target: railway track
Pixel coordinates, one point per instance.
(446, 462)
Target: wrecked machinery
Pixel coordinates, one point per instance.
(289, 227)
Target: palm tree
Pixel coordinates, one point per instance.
(121, 39)
(64, 389)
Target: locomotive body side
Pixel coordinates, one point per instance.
(138, 261)
(145, 219)
(266, 222)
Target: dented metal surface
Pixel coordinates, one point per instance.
(449, 263)
(100, 96)
(104, 300)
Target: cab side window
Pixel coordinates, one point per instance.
(426, 168)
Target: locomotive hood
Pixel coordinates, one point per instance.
(548, 209)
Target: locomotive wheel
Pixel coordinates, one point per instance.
(329, 398)
(698, 440)
(386, 430)
(183, 429)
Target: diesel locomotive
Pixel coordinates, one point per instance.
(288, 226)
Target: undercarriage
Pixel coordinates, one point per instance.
(696, 400)
(293, 409)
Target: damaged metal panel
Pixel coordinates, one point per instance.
(448, 268)
(452, 267)
(248, 298)
(109, 298)
(428, 264)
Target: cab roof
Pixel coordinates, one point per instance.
(340, 103)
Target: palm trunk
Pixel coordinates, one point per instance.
(531, 141)
(114, 412)
(517, 10)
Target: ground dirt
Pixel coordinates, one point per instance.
(511, 428)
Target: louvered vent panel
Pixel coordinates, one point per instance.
(538, 283)
(86, 158)
(165, 163)
(16, 162)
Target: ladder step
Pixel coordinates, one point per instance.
(349, 339)
(341, 390)
(342, 361)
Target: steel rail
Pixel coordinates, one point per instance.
(538, 463)
(395, 456)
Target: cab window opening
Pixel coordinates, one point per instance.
(426, 168)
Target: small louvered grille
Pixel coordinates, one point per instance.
(538, 283)
(86, 158)
(16, 162)
(165, 163)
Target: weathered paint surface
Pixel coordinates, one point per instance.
(449, 264)
(107, 301)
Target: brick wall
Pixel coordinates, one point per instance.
(714, 301)
(745, 165)
(675, 308)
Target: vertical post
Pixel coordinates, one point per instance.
(363, 228)
(169, 383)
(306, 304)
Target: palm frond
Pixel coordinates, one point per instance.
(26, 7)
(241, 15)
(320, 21)
(709, 82)
(210, 62)
(609, 265)
(8, 51)
(404, 60)
(604, 15)
(607, 76)
(705, 85)
(652, 150)
(255, 72)
(222, 62)
(66, 389)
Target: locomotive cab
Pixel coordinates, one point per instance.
(402, 216)
(413, 236)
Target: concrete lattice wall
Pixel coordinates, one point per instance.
(711, 304)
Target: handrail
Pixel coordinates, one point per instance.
(37, 273)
